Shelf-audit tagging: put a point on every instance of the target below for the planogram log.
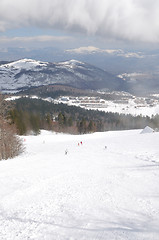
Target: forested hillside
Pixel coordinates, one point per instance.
(31, 115)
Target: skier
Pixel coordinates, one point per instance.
(66, 151)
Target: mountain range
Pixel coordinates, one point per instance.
(28, 73)
(115, 61)
(25, 74)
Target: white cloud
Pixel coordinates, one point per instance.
(92, 50)
(84, 50)
(134, 20)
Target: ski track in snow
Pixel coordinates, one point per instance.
(92, 193)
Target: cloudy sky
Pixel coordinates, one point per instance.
(79, 23)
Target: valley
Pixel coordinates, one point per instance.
(115, 102)
(126, 104)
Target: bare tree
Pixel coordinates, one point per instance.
(10, 143)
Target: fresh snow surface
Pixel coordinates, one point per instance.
(104, 189)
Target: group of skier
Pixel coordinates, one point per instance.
(80, 143)
(66, 151)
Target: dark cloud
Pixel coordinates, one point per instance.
(133, 20)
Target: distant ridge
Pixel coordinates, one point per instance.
(27, 73)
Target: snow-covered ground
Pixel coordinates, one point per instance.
(135, 107)
(107, 188)
(129, 107)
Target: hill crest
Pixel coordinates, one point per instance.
(27, 73)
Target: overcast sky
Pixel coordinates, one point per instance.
(76, 23)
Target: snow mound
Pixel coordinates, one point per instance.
(147, 129)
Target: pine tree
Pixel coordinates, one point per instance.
(35, 123)
(91, 126)
(82, 126)
(70, 122)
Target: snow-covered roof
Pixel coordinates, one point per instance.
(147, 129)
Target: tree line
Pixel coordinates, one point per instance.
(31, 115)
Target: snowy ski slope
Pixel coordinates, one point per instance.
(92, 193)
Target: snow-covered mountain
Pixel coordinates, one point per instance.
(27, 73)
(94, 50)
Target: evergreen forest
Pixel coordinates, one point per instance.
(31, 115)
